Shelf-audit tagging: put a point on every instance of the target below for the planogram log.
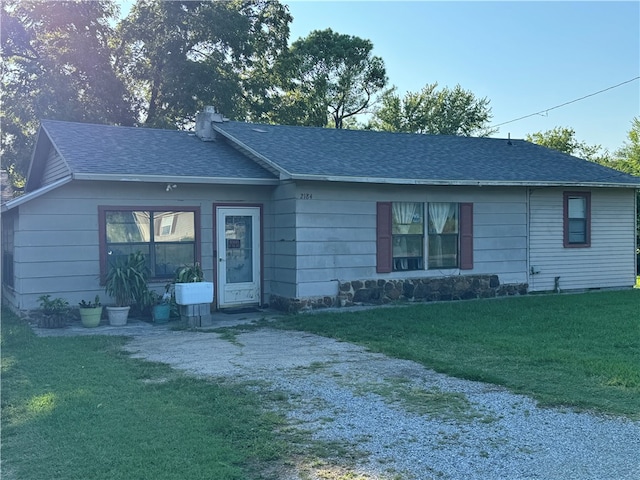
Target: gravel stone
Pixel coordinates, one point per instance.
(379, 409)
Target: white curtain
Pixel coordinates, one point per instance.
(438, 215)
(404, 212)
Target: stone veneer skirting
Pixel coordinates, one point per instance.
(378, 292)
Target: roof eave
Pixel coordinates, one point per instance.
(464, 182)
(34, 194)
(112, 177)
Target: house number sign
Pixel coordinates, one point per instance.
(306, 196)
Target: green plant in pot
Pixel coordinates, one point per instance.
(160, 306)
(54, 312)
(126, 283)
(90, 312)
(189, 273)
(190, 286)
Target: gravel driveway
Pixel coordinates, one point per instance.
(397, 419)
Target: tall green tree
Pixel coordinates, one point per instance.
(627, 158)
(182, 55)
(56, 63)
(445, 111)
(328, 77)
(564, 140)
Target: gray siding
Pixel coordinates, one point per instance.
(608, 262)
(57, 245)
(318, 234)
(55, 168)
(280, 257)
(336, 239)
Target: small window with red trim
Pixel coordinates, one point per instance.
(577, 219)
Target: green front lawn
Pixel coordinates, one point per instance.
(576, 350)
(79, 408)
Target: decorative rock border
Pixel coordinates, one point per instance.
(378, 292)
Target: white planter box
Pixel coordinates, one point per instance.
(192, 293)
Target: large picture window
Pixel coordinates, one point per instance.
(577, 219)
(166, 237)
(401, 229)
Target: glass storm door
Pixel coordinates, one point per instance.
(238, 256)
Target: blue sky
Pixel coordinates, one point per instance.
(524, 57)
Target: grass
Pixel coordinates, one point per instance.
(79, 408)
(580, 351)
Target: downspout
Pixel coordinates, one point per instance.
(636, 236)
(528, 234)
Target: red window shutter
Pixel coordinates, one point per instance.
(383, 238)
(466, 236)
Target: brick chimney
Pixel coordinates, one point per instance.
(203, 123)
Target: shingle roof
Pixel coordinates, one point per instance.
(359, 155)
(320, 153)
(104, 149)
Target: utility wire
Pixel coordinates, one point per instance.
(564, 104)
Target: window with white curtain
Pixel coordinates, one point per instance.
(443, 238)
(407, 235)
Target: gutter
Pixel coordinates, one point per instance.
(35, 194)
(466, 183)
(114, 177)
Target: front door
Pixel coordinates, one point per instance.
(238, 239)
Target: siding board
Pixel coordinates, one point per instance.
(55, 168)
(608, 262)
(338, 235)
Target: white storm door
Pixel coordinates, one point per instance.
(238, 232)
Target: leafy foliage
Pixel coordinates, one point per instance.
(189, 274)
(180, 56)
(446, 112)
(564, 140)
(56, 63)
(56, 306)
(627, 158)
(126, 280)
(328, 76)
(89, 304)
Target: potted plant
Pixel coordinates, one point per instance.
(54, 312)
(126, 283)
(90, 312)
(189, 274)
(190, 286)
(160, 306)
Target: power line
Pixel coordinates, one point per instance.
(564, 104)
